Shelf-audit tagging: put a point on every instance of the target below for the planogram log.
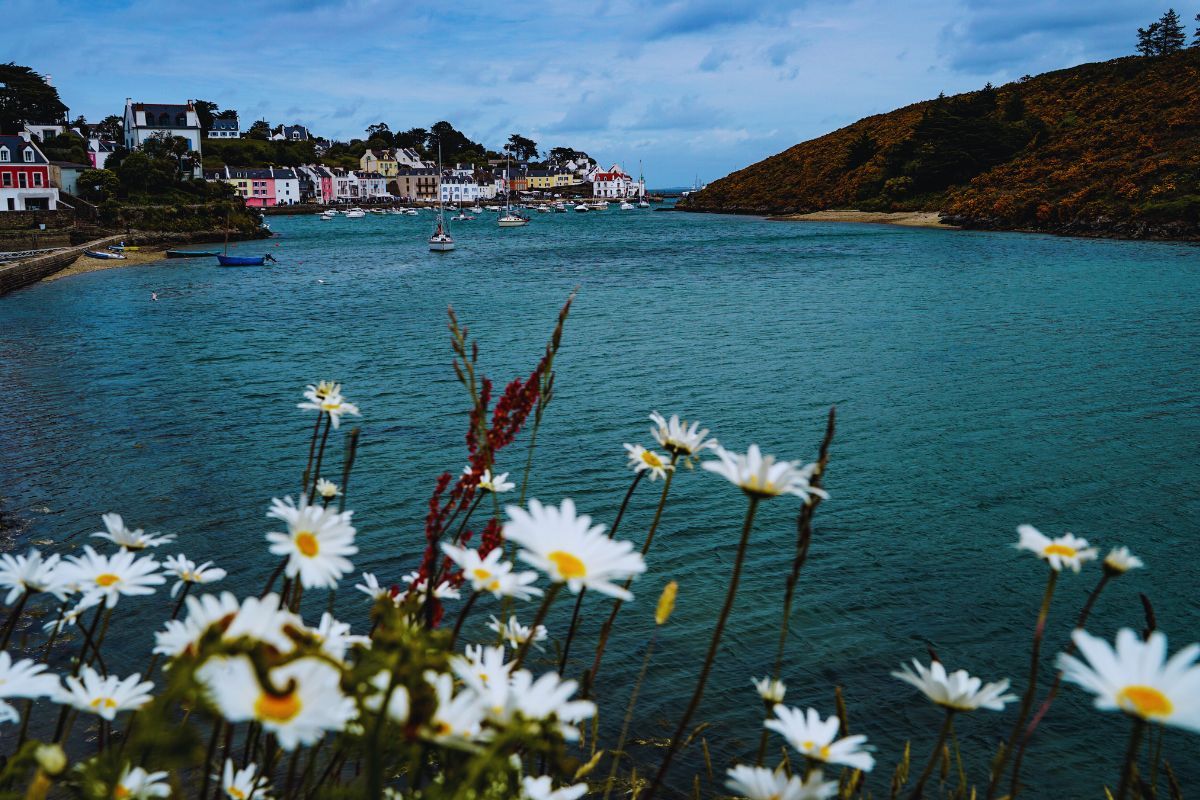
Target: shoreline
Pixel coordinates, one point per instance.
(906, 219)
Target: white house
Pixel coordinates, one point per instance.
(345, 186)
(371, 185)
(99, 151)
(614, 183)
(458, 189)
(287, 186)
(144, 120)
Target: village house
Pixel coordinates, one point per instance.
(225, 129)
(372, 185)
(384, 162)
(64, 175)
(24, 177)
(321, 179)
(345, 186)
(99, 151)
(458, 189)
(144, 120)
(614, 183)
(290, 133)
(261, 188)
(407, 157)
(417, 183)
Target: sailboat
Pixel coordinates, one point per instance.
(441, 241)
(510, 218)
(642, 203)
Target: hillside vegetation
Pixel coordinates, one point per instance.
(1099, 149)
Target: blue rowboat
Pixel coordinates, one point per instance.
(244, 261)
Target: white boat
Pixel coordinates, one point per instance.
(477, 210)
(355, 213)
(627, 206)
(510, 219)
(492, 208)
(582, 207)
(559, 208)
(599, 205)
(441, 241)
(543, 209)
(643, 203)
(460, 217)
(410, 212)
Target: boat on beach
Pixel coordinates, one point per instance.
(192, 253)
(103, 256)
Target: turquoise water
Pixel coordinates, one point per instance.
(981, 380)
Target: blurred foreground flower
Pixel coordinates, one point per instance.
(137, 784)
(542, 789)
(757, 783)
(243, 784)
(1137, 678)
(23, 678)
(771, 690)
(568, 548)
(1119, 561)
(958, 691)
(1067, 550)
(30, 573)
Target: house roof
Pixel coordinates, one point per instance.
(16, 144)
(224, 125)
(70, 165)
(154, 112)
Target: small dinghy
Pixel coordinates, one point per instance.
(245, 261)
(103, 255)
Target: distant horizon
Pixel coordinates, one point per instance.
(688, 88)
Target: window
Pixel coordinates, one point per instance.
(4, 154)
(37, 179)
(21, 180)
(181, 120)
(164, 119)
(8, 179)
(28, 155)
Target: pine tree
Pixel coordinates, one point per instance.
(1196, 39)
(1148, 40)
(1171, 36)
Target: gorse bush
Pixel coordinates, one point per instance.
(269, 695)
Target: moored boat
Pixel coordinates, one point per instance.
(582, 207)
(103, 256)
(355, 213)
(627, 206)
(244, 261)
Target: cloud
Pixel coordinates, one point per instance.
(681, 113)
(714, 59)
(685, 17)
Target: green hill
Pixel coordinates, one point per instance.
(1110, 148)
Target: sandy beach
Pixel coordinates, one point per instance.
(911, 219)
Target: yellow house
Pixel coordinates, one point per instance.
(540, 179)
(383, 162)
(565, 177)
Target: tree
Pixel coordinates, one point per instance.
(1196, 39)
(522, 149)
(66, 147)
(381, 131)
(97, 185)
(861, 150)
(228, 113)
(207, 112)
(26, 97)
(1148, 40)
(112, 126)
(1171, 35)
(413, 139)
(259, 130)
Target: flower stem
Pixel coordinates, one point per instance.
(1015, 786)
(1039, 632)
(616, 755)
(316, 474)
(312, 447)
(713, 645)
(182, 596)
(462, 616)
(274, 577)
(11, 624)
(1135, 741)
(562, 662)
(589, 679)
(206, 767)
(551, 593)
(919, 788)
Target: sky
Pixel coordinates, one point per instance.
(692, 89)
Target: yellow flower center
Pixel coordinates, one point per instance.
(493, 585)
(328, 406)
(568, 565)
(306, 543)
(1060, 550)
(650, 458)
(270, 708)
(810, 749)
(483, 678)
(1145, 701)
(443, 728)
(235, 793)
(103, 702)
(120, 792)
(755, 485)
(481, 573)
(107, 579)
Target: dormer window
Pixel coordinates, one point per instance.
(181, 120)
(28, 155)
(164, 120)
(4, 155)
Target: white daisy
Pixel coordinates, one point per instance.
(815, 738)
(458, 720)
(1137, 678)
(771, 690)
(490, 574)
(1067, 550)
(481, 667)
(316, 543)
(109, 577)
(548, 698)
(758, 783)
(327, 398)
(105, 697)
(137, 784)
(678, 437)
(569, 548)
(443, 591)
(371, 588)
(306, 703)
(515, 633)
(335, 638)
(128, 539)
(243, 784)
(266, 620)
(327, 489)
(543, 789)
(763, 476)
(182, 635)
(497, 484)
(30, 573)
(186, 571)
(72, 614)
(23, 678)
(398, 703)
(643, 460)
(958, 690)
(1119, 561)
